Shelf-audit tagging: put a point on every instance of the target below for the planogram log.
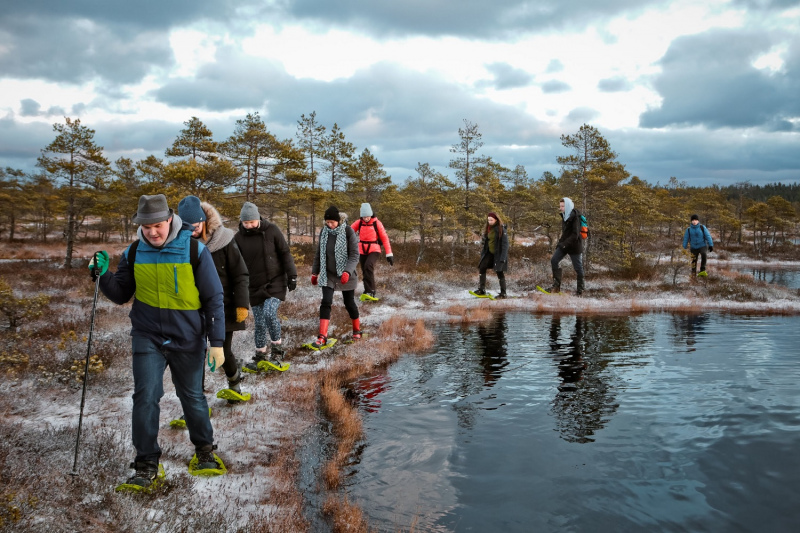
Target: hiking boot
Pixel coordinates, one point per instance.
(277, 352)
(357, 335)
(146, 472)
(480, 292)
(205, 458)
(252, 367)
(554, 289)
(321, 341)
(501, 296)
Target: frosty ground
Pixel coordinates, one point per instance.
(265, 442)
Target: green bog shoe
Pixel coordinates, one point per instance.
(141, 483)
(233, 396)
(198, 468)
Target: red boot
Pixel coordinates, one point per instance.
(322, 338)
(356, 329)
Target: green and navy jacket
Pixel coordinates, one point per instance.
(175, 304)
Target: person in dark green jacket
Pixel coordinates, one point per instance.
(494, 254)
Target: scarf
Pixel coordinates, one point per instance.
(340, 251)
(220, 239)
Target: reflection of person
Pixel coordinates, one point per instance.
(494, 349)
(177, 303)
(569, 356)
(570, 243)
(232, 272)
(272, 271)
(368, 390)
(698, 239)
(371, 236)
(494, 254)
(334, 269)
(691, 326)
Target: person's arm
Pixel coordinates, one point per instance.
(707, 236)
(315, 263)
(686, 238)
(352, 251)
(285, 254)
(209, 287)
(383, 237)
(120, 286)
(240, 276)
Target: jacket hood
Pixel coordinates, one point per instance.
(569, 205)
(218, 235)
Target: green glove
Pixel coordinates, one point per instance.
(98, 264)
(215, 357)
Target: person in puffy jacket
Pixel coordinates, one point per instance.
(570, 243)
(698, 238)
(177, 305)
(232, 272)
(334, 269)
(371, 236)
(494, 254)
(272, 272)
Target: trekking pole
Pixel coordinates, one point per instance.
(86, 370)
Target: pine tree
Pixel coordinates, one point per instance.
(75, 160)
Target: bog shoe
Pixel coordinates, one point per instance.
(252, 367)
(321, 341)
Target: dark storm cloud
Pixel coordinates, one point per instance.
(468, 18)
(555, 86)
(703, 158)
(614, 85)
(78, 40)
(32, 108)
(766, 5)
(709, 79)
(507, 77)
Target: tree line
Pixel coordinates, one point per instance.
(80, 194)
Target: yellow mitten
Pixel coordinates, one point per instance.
(241, 314)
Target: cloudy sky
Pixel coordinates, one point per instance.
(708, 92)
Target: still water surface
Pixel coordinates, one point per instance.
(538, 423)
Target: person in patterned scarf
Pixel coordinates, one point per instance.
(334, 269)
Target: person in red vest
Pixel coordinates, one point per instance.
(371, 236)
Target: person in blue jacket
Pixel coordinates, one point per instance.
(177, 304)
(698, 238)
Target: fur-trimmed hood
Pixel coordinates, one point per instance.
(218, 235)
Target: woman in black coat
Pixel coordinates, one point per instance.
(272, 271)
(233, 275)
(494, 254)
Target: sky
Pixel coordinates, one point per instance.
(706, 92)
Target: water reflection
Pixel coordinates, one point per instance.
(689, 327)
(493, 349)
(774, 276)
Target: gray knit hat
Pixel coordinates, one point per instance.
(190, 210)
(249, 212)
(366, 210)
(152, 210)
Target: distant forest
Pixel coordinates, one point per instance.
(79, 195)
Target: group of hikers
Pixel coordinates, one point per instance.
(193, 282)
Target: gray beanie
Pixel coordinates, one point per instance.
(249, 212)
(366, 210)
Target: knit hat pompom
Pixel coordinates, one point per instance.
(249, 212)
(332, 213)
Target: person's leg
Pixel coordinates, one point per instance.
(186, 369)
(703, 256)
(368, 270)
(148, 377)
(230, 365)
(558, 255)
(694, 253)
(274, 327)
(486, 262)
(501, 278)
(349, 298)
(260, 319)
(324, 317)
(577, 264)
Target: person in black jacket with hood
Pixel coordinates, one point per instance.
(570, 244)
(233, 275)
(272, 271)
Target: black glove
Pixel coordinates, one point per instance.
(390, 260)
(292, 284)
(710, 248)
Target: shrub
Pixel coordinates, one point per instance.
(18, 310)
